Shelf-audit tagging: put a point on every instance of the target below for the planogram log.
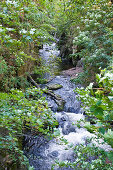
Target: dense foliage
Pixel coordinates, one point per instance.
(24, 27)
(95, 40)
(84, 29)
(98, 105)
(21, 111)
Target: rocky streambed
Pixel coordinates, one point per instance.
(42, 152)
(62, 100)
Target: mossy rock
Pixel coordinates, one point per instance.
(60, 104)
(54, 86)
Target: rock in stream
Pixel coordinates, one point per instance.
(43, 152)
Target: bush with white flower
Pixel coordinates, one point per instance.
(95, 39)
(22, 28)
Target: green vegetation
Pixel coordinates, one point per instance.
(84, 29)
(21, 111)
(98, 105)
(87, 157)
(24, 27)
(95, 40)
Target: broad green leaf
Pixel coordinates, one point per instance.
(102, 130)
(110, 156)
(39, 122)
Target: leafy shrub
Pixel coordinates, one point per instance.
(98, 104)
(95, 38)
(87, 157)
(21, 111)
(23, 28)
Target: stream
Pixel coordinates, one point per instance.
(41, 152)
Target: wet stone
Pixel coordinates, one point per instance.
(54, 86)
(54, 154)
(68, 130)
(64, 118)
(40, 165)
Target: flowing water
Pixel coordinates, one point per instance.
(41, 152)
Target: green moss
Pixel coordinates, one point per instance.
(54, 86)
